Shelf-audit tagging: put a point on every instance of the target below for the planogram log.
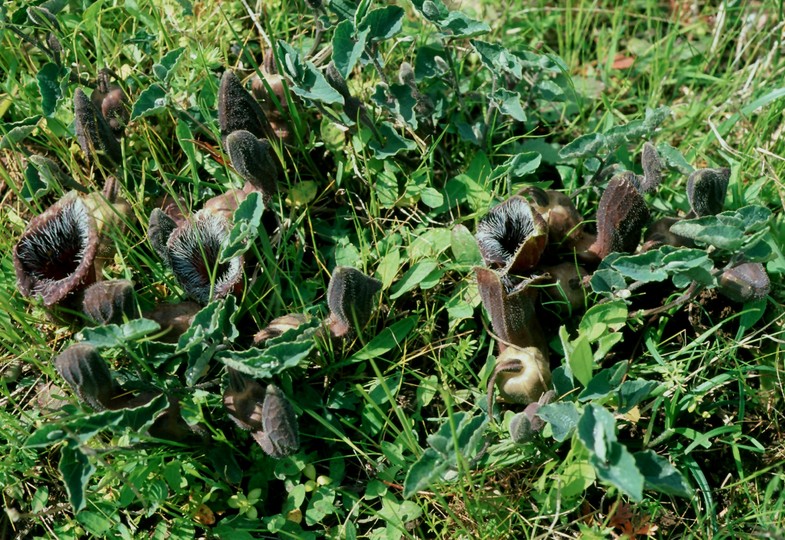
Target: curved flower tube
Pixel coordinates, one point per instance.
(254, 160)
(55, 255)
(93, 132)
(706, 189)
(237, 109)
(350, 296)
(621, 216)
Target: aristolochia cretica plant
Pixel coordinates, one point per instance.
(93, 132)
(112, 102)
(109, 302)
(87, 374)
(706, 190)
(238, 110)
(621, 216)
(521, 375)
(191, 250)
(55, 255)
(350, 297)
(265, 412)
(512, 236)
(254, 160)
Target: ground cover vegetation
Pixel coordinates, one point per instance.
(386, 270)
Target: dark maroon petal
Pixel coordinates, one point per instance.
(350, 297)
(237, 109)
(621, 216)
(109, 302)
(54, 256)
(193, 249)
(512, 236)
(87, 373)
(254, 160)
(706, 189)
(280, 437)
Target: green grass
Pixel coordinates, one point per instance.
(367, 405)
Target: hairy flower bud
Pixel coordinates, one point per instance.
(87, 374)
(350, 297)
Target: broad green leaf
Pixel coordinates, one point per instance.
(660, 475)
(307, 81)
(382, 23)
(597, 431)
(673, 159)
(464, 247)
(753, 217)
(387, 340)
(404, 103)
(413, 277)
(524, 164)
(164, 69)
(496, 58)
(388, 268)
(600, 318)
(34, 185)
(431, 197)
(392, 143)
(347, 47)
(583, 147)
(578, 355)
(49, 78)
(462, 25)
(268, 362)
(211, 327)
(708, 230)
(620, 469)
(82, 428)
(604, 382)
(247, 223)
(113, 335)
(76, 470)
(14, 132)
(631, 393)
(607, 281)
(424, 472)
(151, 101)
(563, 418)
(645, 267)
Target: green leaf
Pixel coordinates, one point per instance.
(392, 143)
(462, 25)
(597, 431)
(268, 362)
(621, 470)
(113, 335)
(563, 418)
(463, 245)
(604, 382)
(347, 47)
(710, 230)
(645, 267)
(583, 147)
(151, 101)
(165, 68)
(674, 159)
(14, 132)
(498, 59)
(49, 85)
(76, 470)
(247, 223)
(388, 268)
(607, 281)
(424, 472)
(524, 164)
(431, 197)
(660, 475)
(413, 277)
(211, 327)
(631, 393)
(579, 355)
(82, 428)
(387, 340)
(601, 318)
(382, 23)
(404, 103)
(753, 217)
(34, 185)
(307, 81)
